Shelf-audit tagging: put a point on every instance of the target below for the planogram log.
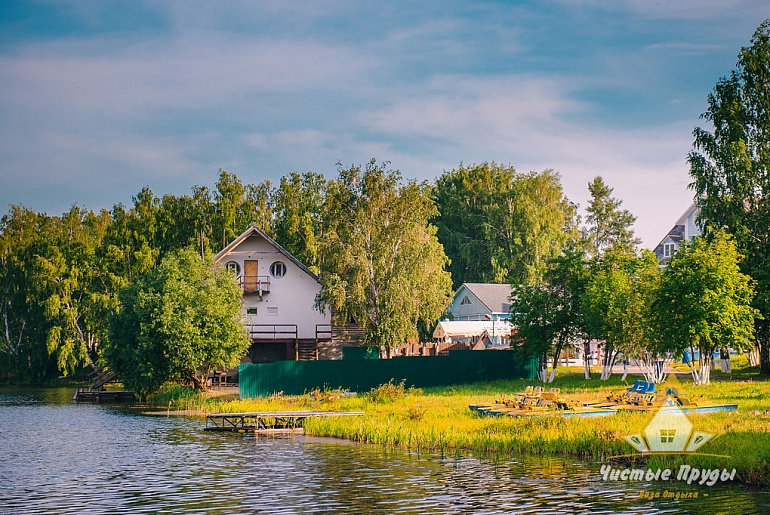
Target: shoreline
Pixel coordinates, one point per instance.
(439, 420)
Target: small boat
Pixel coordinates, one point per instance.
(643, 397)
(499, 410)
(535, 401)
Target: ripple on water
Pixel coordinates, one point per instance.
(64, 458)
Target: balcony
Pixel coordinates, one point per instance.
(254, 283)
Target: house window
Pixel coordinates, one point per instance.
(251, 311)
(278, 269)
(272, 312)
(466, 301)
(668, 250)
(234, 267)
(667, 435)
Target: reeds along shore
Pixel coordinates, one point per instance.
(438, 420)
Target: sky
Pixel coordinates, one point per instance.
(101, 98)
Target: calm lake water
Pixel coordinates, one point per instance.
(58, 457)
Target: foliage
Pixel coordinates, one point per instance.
(23, 322)
(178, 322)
(607, 225)
(730, 168)
(549, 315)
(499, 226)
(75, 294)
(299, 202)
(391, 391)
(385, 267)
(705, 301)
(616, 303)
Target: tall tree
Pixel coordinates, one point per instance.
(607, 225)
(549, 315)
(615, 303)
(704, 302)
(68, 282)
(463, 198)
(23, 324)
(257, 207)
(229, 197)
(298, 204)
(730, 168)
(178, 322)
(500, 226)
(384, 264)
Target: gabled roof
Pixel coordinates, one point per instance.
(254, 230)
(451, 328)
(496, 297)
(677, 233)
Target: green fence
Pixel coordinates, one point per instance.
(459, 367)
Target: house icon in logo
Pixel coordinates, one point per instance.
(669, 431)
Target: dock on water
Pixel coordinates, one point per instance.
(83, 395)
(268, 421)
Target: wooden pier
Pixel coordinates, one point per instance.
(268, 421)
(102, 396)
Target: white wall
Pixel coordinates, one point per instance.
(293, 294)
(473, 311)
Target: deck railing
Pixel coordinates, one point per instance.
(351, 332)
(254, 283)
(272, 331)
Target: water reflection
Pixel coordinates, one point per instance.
(66, 458)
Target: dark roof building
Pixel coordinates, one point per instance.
(478, 301)
(685, 229)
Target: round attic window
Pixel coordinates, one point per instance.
(278, 269)
(234, 267)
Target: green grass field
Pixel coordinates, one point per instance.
(439, 420)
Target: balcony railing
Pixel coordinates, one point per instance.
(272, 331)
(351, 332)
(254, 283)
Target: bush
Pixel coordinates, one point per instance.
(391, 391)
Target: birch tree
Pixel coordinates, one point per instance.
(385, 269)
(730, 167)
(705, 302)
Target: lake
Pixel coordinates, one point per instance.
(58, 457)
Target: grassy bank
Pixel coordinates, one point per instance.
(438, 419)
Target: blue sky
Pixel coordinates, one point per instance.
(101, 98)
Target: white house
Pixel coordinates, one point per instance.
(470, 331)
(684, 230)
(479, 301)
(279, 299)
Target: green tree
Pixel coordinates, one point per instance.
(730, 168)
(615, 304)
(607, 225)
(257, 207)
(23, 324)
(704, 302)
(298, 204)
(229, 197)
(384, 266)
(178, 322)
(463, 197)
(549, 315)
(499, 226)
(68, 282)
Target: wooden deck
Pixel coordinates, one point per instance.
(103, 396)
(268, 421)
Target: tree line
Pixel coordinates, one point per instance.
(388, 251)
(391, 251)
